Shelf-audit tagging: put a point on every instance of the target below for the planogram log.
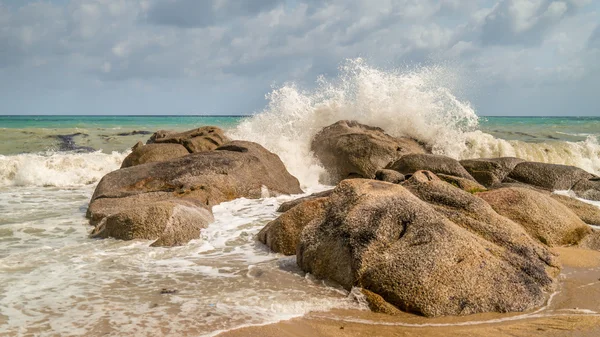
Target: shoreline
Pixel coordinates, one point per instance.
(571, 311)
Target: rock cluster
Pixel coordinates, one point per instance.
(170, 200)
(428, 234)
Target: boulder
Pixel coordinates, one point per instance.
(382, 238)
(462, 183)
(348, 149)
(490, 171)
(548, 176)
(151, 153)
(286, 206)
(206, 138)
(283, 233)
(237, 169)
(544, 218)
(169, 222)
(435, 163)
(588, 188)
(390, 176)
(589, 214)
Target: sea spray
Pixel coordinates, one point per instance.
(59, 169)
(412, 102)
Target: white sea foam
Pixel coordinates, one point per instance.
(60, 169)
(417, 103)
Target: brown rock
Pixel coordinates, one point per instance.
(588, 188)
(490, 171)
(462, 183)
(390, 176)
(377, 304)
(435, 163)
(170, 223)
(286, 206)
(206, 138)
(548, 176)
(151, 153)
(589, 214)
(348, 149)
(381, 237)
(543, 217)
(283, 233)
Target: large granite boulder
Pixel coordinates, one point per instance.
(389, 176)
(348, 149)
(589, 214)
(151, 153)
(490, 171)
(379, 236)
(237, 169)
(286, 206)
(283, 233)
(543, 217)
(552, 177)
(171, 223)
(430, 162)
(206, 138)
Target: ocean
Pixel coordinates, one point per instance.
(55, 281)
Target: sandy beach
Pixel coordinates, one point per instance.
(572, 311)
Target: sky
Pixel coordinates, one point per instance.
(515, 57)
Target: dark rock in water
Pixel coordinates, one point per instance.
(589, 214)
(434, 260)
(125, 201)
(67, 143)
(206, 138)
(548, 176)
(134, 133)
(588, 188)
(348, 149)
(166, 291)
(544, 218)
(283, 233)
(435, 163)
(150, 153)
(290, 204)
(390, 176)
(490, 171)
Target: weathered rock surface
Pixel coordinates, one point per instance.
(589, 214)
(588, 188)
(237, 169)
(543, 217)
(430, 162)
(283, 233)
(348, 149)
(463, 183)
(548, 176)
(290, 204)
(389, 176)
(381, 237)
(490, 171)
(151, 153)
(206, 138)
(171, 223)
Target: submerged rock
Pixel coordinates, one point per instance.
(348, 149)
(490, 171)
(381, 237)
(435, 163)
(237, 169)
(544, 218)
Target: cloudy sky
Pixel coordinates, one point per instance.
(516, 57)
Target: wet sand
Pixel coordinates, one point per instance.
(574, 310)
